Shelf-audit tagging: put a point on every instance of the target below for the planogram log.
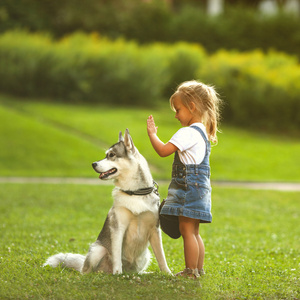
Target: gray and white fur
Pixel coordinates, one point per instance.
(131, 223)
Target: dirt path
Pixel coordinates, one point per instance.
(275, 186)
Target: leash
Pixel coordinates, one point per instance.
(144, 191)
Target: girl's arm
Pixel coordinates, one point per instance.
(161, 148)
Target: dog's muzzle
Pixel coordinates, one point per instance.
(106, 174)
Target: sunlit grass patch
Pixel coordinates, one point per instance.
(252, 246)
(55, 139)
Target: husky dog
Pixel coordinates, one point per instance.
(131, 223)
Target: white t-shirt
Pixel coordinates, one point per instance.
(190, 143)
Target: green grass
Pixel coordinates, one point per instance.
(50, 139)
(252, 246)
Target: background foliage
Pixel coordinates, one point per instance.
(149, 21)
(90, 68)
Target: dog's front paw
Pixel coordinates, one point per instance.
(117, 270)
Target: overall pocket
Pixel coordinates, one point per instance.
(180, 180)
(199, 191)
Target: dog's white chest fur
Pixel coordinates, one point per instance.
(137, 232)
(136, 204)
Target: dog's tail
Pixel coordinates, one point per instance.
(68, 260)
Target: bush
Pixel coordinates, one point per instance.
(24, 60)
(90, 68)
(183, 62)
(260, 90)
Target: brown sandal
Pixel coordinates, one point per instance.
(191, 273)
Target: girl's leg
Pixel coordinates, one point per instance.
(193, 244)
(201, 252)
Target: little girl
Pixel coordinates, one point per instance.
(189, 195)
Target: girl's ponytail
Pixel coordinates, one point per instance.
(213, 114)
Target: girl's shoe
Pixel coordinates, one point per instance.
(201, 272)
(191, 273)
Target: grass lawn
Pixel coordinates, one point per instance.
(50, 139)
(252, 246)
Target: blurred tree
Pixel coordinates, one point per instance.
(157, 20)
(252, 3)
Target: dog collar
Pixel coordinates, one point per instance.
(144, 191)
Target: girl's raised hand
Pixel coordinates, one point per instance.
(151, 128)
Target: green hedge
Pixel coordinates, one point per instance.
(89, 68)
(259, 90)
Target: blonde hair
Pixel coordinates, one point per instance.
(207, 103)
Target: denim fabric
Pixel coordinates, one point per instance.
(189, 192)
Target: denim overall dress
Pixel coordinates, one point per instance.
(189, 192)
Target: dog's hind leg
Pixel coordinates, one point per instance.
(93, 258)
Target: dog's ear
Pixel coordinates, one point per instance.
(129, 142)
(121, 137)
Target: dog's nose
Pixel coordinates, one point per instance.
(94, 165)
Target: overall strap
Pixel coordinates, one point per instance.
(205, 161)
(201, 132)
(177, 159)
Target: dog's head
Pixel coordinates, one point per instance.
(118, 157)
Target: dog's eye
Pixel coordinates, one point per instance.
(111, 155)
